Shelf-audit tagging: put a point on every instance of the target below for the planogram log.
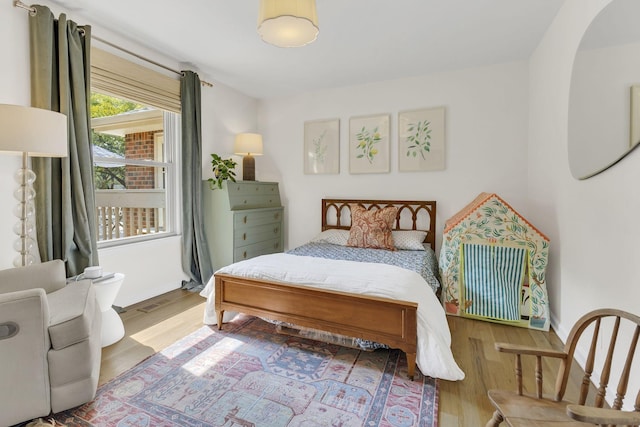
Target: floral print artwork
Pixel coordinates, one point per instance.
(369, 144)
(322, 146)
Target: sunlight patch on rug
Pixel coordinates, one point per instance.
(248, 375)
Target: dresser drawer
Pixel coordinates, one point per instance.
(252, 187)
(256, 217)
(256, 249)
(250, 235)
(251, 201)
(249, 195)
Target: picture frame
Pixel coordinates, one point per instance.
(322, 147)
(421, 140)
(634, 131)
(369, 144)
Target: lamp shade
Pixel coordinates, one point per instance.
(288, 23)
(37, 132)
(248, 144)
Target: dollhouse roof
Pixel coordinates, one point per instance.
(475, 207)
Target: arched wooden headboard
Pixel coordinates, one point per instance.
(412, 215)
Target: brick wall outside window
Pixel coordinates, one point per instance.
(139, 146)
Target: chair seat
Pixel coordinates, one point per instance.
(526, 411)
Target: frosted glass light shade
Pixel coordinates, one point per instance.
(37, 132)
(288, 23)
(248, 144)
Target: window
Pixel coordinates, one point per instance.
(134, 130)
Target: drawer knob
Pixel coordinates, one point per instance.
(244, 236)
(276, 245)
(244, 220)
(244, 255)
(244, 201)
(275, 230)
(276, 216)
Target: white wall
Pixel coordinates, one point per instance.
(592, 223)
(151, 267)
(14, 89)
(486, 143)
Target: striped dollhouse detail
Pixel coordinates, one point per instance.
(492, 280)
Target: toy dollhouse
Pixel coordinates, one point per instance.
(492, 265)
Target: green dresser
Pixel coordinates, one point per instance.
(242, 220)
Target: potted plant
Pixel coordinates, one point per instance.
(222, 170)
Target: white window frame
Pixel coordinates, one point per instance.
(171, 142)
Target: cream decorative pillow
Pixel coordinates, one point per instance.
(411, 240)
(333, 236)
(372, 229)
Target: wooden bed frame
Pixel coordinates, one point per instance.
(382, 320)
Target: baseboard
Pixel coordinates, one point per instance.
(146, 294)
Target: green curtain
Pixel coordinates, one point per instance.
(65, 201)
(195, 252)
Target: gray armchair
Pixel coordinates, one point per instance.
(49, 342)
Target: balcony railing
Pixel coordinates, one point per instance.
(126, 213)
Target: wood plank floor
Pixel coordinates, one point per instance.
(154, 324)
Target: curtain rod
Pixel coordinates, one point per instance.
(32, 11)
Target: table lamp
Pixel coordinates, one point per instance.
(248, 145)
(30, 132)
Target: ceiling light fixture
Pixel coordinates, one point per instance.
(288, 23)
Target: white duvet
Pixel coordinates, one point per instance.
(434, 357)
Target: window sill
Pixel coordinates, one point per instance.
(134, 239)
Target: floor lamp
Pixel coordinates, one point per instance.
(29, 132)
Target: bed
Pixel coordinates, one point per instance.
(309, 291)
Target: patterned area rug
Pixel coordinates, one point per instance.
(248, 375)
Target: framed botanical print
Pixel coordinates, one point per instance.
(322, 147)
(421, 143)
(369, 144)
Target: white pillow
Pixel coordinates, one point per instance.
(334, 236)
(411, 240)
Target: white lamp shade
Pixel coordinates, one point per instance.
(248, 144)
(288, 23)
(37, 132)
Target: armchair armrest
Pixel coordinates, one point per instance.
(531, 351)
(25, 315)
(538, 353)
(23, 351)
(603, 416)
(72, 313)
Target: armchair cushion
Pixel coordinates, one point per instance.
(49, 276)
(71, 311)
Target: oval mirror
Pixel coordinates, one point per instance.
(604, 100)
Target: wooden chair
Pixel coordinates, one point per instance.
(518, 409)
